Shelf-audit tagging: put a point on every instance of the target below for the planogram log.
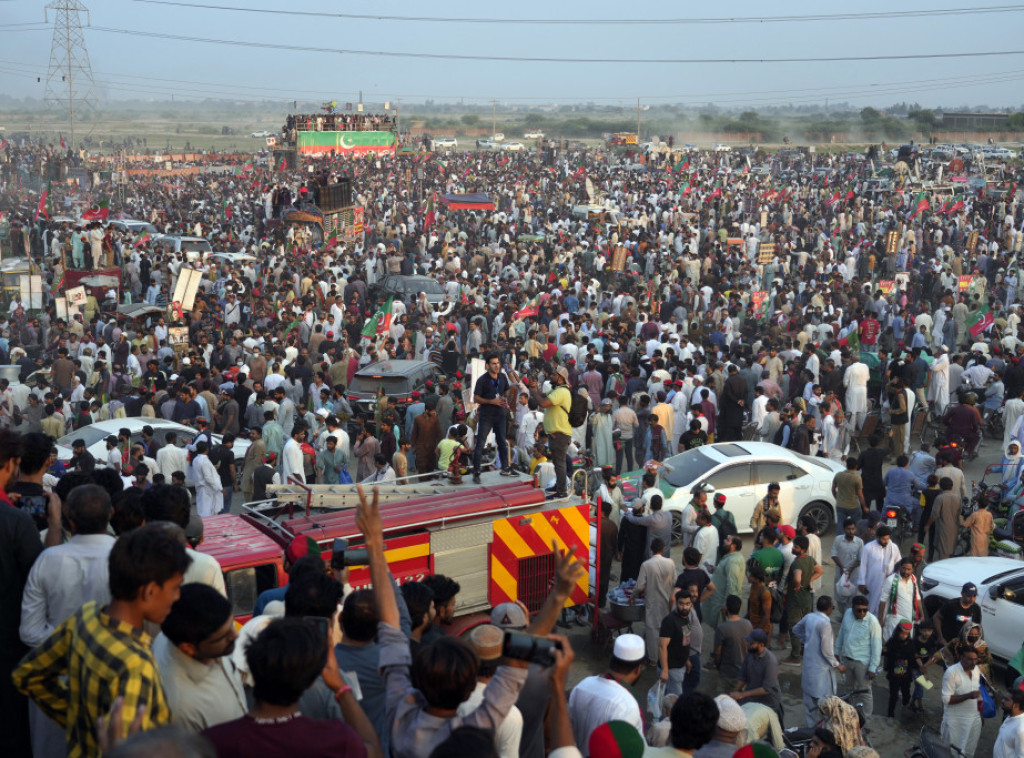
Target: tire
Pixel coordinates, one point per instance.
(822, 514)
(677, 528)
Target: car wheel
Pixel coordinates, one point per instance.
(677, 528)
(821, 512)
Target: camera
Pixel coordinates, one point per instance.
(342, 556)
(526, 647)
(36, 507)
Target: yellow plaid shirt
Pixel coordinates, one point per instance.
(83, 667)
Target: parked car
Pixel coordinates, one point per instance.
(132, 226)
(742, 471)
(513, 147)
(498, 137)
(193, 248)
(262, 133)
(535, 134)
(721, 147)
(1000, 584)
(398, 379)
(95, 435)
(487, 144)
(440, 144)
(407, 289)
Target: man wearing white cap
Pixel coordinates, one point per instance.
(605, 697)
(732, 721)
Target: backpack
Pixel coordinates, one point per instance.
(578, 410)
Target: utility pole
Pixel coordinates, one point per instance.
(494, 117)
(638, 120)
(69, 61)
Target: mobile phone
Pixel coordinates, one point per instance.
(527, 647)
(35, 506)
(319, 622)
(338, 554)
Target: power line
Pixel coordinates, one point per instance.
(792, 95)
(544, 59)
(609, 21)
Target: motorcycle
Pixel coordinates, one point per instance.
(899, 522)
(931, 745)
(798, 739)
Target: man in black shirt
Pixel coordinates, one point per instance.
(674, 648)
(951, 616)
(223, 459)
(870, 464)
(695, 437)
(692, 573)
(489, 394)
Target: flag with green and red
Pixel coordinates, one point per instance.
(44, 204)
(100, 210)
(381, 321)
(980, 320)
(920, 204)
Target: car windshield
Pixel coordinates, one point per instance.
(89, 434)
(393, 385)
(430, 286)
(687, 467)
(200, 246)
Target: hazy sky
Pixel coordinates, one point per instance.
(129, 66)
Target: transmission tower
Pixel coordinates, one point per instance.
(69, 83)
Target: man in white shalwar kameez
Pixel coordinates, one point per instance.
(878, 562)
(209, 494)
(938, 387)
(856, 382)
(961, 720)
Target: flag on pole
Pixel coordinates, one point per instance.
(142, 239)
(980, 320)
(58, 285)
(63, 144)
(683, 166)
(834, 199)
(99, 211)
(43, 208)
(920, 204)
(431, 215)
(380, 322)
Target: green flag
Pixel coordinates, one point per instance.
(380, 322)
(980, 320)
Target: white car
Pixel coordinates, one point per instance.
(498, 137)
(95, 436)
(742, 472)
(721, 147)
(513, 147)
(536, 134)
(1000, 583)
(487, 144)
(261, 134)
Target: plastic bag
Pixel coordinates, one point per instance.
(846, 588)
(987, 706)
(655, 697)
(344, 477)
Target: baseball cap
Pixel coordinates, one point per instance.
(969, 589)
(509, 616)
(788, 530)
(757, 635)
(563, 372)
(300, 546)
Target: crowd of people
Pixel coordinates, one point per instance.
(716, 304)
(331, 121)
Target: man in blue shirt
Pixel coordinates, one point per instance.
(859, 648)
(900, 485)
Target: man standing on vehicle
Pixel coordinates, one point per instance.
(490, 395)
(556, 407)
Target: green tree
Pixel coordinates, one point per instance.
(870, 116)
(470, 119)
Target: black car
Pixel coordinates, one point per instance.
(407, 289)
(399, 379)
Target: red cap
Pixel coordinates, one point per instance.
(788, 531)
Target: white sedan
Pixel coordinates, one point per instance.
(95, 436)
(742, 471)
(1000, 584)
(513, 147)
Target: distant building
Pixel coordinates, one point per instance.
(974, 121)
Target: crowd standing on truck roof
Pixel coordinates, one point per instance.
(795, 304)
